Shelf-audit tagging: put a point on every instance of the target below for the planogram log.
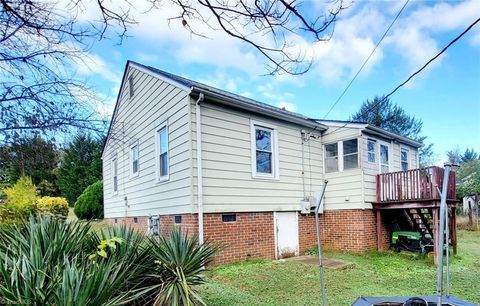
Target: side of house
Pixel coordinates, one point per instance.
(236, 171)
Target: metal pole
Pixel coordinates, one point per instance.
(447, 259)
(319, 245)
(441, 231)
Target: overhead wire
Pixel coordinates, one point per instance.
(377, 104)
(366, 60)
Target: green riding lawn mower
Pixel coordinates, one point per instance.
(411, 241)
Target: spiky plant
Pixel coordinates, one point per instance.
(181, 262)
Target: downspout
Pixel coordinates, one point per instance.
(199, 168)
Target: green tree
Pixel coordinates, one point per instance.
(80, 166)
(393, 118)
(30, 156)
(469, 155)
(469, 183)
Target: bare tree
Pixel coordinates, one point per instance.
(267, 25)
(42, 41)
(39, 45)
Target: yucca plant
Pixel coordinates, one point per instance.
(180, 263)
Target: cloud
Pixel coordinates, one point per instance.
(91, 64)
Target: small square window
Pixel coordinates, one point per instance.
(115, 220)
(178, 219)
(229, 217)
(135, 220)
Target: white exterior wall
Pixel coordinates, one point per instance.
(345, 188)
(137, 118)
(370, 170)
(228, 185)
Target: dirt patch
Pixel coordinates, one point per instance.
(327, 263)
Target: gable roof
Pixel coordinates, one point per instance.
(372, 130)
(230, 99)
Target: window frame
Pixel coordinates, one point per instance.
(159, 128)
(114, 169)
(131, 90)
(385, 144)
(132, 146)
(275, 175)
(325, 157)
(407, 161)
(349, 154)
(374, 152)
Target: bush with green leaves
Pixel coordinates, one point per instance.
(48, 261)
(53, 205)
(90, 203)
(20, 201)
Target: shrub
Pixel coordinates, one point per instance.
(53, 205)
(20, 202)
(90, 203)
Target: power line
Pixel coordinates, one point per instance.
(366, 60)
(369, 109)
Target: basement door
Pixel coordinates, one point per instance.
(286, 234)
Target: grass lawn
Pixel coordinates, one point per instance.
(373, 274)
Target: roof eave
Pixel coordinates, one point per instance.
(381, 132)
(245, 105)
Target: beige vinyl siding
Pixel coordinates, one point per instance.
(228, 184)
(370, 170)
(137, 118)
(344, 189)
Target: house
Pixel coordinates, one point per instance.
(235, 170)
(469, 203)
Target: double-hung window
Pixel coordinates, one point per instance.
(371, 150)
(134, 159)
(163, 171)
(350, 154)
(404, 160)
(331, 157)
(115, 175)
(264, 151)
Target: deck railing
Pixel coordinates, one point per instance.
(414, 185)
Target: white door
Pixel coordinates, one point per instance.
(286, 234)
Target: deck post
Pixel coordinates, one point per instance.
(435, 235)
(379, 230)
(453, 225)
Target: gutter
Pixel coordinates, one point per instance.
(199, 168)
(242, 103)
(381, 132)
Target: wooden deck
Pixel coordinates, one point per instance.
(415, 191)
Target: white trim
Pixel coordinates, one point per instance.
(275, 175)
(163, 125)
(275, 233)
(133, 145)
(160, 76)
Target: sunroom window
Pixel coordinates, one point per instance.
(331, 157)
(404, 160)
(371, 150)
(384, 159)
(350, 154)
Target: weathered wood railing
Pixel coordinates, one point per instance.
(413, 185)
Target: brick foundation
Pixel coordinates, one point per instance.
(252, 234)
(352, 230)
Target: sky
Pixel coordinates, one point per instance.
(445, 96)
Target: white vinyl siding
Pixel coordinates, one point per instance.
(228, 185)
(153, 103)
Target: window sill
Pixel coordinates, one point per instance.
(163, 179)
(265, 178)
